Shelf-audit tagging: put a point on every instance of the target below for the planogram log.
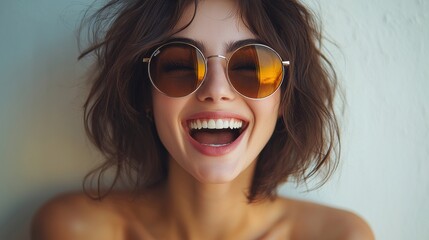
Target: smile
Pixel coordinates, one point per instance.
(215, 136)
(215, 132)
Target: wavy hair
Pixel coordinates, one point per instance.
(306, 137)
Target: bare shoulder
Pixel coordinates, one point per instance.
(77, 216)
(316, 221)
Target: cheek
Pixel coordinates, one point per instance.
(165, 110)
(160, 104)
(265, 113)
(167, 118)
(268, 109)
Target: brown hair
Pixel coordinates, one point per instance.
(123, 31)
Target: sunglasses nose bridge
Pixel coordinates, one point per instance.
(216, 56)
(216, 85)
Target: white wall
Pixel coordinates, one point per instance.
(382, 61)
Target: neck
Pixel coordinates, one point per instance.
(208, 211)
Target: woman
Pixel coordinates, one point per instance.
(207, 106)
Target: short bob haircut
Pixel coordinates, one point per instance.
(117, 110)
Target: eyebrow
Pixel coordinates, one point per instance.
(229, 46)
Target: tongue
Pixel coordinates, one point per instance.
(214, 136)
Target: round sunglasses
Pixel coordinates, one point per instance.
(178, 69)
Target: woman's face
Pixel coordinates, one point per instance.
(214, 156)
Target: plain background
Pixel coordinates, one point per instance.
(382, 59)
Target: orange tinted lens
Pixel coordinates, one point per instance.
(177, 69)
(255, 71)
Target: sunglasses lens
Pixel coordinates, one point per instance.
(255, 71)
(177, 69)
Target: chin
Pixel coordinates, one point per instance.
(218, 173)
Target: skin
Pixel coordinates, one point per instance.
(215, 96)
(204, 196)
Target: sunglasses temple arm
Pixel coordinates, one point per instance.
(285, 63)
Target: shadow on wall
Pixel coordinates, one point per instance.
(43, 148)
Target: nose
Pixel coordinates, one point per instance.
(216, 87)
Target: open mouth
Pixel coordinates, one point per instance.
(216, 132)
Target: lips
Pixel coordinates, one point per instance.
(215, 133)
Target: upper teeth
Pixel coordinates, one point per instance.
(215, 124)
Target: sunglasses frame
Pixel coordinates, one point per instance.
(156, 52)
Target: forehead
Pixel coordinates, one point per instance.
(216, 23)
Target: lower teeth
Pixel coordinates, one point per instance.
(216, 145)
